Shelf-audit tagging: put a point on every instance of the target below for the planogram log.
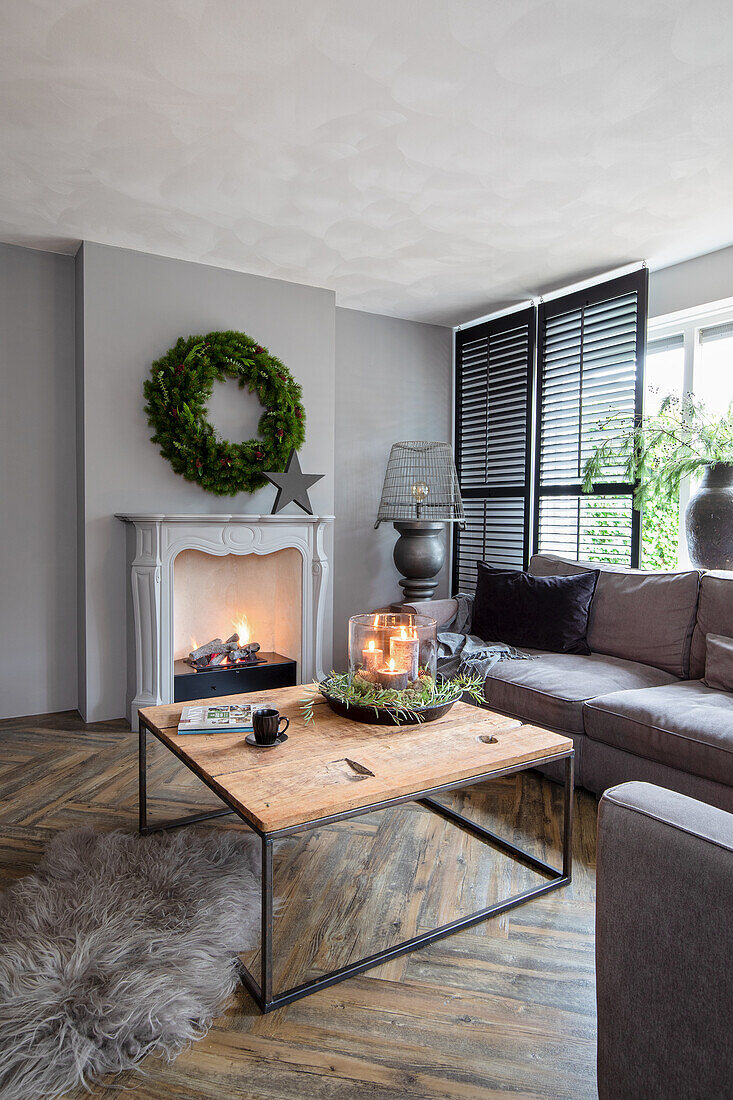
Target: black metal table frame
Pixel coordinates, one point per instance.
(262, 991)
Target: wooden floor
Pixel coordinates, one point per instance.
(504, 1008)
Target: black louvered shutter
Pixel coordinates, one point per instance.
(590, 354)
(493, 419)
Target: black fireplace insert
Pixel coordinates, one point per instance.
(269, 670)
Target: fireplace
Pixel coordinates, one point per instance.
(195, 579)
(236, 622)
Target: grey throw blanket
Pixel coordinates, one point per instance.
(462, 653)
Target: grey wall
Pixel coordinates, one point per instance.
(695, 282)
(37, 499)
(393, 382)
(390, 380)
(134, 307)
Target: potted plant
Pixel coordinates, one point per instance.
(657, 454)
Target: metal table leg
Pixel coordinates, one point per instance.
(143, 827)
(142, 780)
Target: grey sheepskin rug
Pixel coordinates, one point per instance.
(119, 946)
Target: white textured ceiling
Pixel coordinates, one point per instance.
(433, 159)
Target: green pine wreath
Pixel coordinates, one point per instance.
(178, 393)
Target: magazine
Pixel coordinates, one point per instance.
(222, 718)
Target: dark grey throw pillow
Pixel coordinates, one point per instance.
(539, 612)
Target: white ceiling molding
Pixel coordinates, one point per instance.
(437, 161)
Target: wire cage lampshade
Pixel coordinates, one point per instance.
(421, 483)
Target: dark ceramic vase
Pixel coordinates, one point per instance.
(709, 519)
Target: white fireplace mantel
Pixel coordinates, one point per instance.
(159, 538)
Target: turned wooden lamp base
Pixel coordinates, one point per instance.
(419, 555)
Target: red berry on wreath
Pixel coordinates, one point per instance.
(280, 432)
(299, 414)
(199, 463)
(174, 413)
(283, 377)
(259, 350)
(259, 454)
(180, 368)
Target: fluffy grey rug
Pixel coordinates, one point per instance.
(119, 946)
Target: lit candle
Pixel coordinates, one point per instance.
(391, 677)
(372, 657)
(405, 651)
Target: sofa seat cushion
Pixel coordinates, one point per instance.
(685, 725)
(551, 689)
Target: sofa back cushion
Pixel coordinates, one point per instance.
(719, 662)
(646, 617)
(714, 616)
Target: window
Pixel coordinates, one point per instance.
(664, 372)
(712, 372)
(590, 348)
(690, 352)
(494, 364)
(514, 476)
(660, 521)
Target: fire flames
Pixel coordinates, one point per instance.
(242, 628)
(229, 652)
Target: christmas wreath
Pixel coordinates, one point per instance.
(178, 393)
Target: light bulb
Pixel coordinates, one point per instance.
(419, 494)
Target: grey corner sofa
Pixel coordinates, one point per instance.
(664, 925)
(635, 707)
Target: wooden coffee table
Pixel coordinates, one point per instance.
(333, 769)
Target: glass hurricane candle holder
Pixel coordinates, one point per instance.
(393, 650)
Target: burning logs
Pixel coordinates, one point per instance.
(245, 653)
(216, 645)
(218, 652)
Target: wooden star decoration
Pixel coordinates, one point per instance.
(292, 485)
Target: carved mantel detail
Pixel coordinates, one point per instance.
(158, 541)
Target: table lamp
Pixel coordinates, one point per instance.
(420, 495)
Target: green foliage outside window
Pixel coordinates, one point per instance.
(679, 441)
(659, 534)
(660, 528)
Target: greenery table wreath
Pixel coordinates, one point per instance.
(178, 393)
(355, 695)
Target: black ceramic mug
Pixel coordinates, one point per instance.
(266, 725)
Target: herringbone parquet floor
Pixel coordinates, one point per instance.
(503, 1008)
